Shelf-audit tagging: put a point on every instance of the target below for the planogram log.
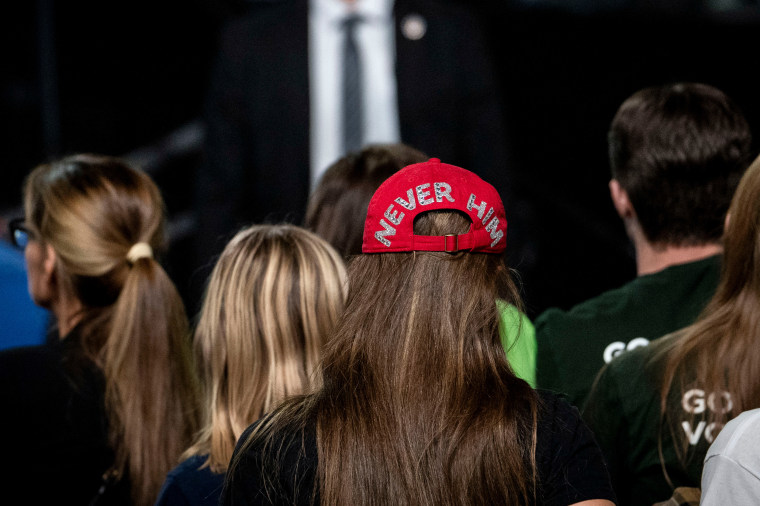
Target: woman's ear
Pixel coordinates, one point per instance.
(48, 263)
(41, 260)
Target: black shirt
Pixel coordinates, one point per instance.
(54, 430)
(570, 465)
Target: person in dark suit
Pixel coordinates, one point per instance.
(260, 162)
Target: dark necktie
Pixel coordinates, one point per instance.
(353, 107)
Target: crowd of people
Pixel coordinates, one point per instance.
(377, 350)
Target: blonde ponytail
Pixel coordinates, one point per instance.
(105, 219)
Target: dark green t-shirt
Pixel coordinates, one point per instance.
(574, 345)
(623, 412)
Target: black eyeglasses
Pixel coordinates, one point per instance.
(20, 234)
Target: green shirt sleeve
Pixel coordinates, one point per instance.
(518, 337)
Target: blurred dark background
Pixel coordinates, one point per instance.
(128, 79)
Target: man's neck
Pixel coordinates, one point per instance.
(651, 258)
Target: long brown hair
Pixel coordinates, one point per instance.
(273, 298)
(91, 210)
(419, 405)
(719, 352)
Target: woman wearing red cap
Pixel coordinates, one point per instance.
(419, 404)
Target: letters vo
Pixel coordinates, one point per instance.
(697, 401)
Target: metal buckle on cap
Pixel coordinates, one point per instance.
(446, 247)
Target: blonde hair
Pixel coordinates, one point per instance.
(272, 300)
(92, 210)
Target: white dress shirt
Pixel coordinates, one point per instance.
(376, 41)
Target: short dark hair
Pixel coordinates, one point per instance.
(679, 151)
(337, 208)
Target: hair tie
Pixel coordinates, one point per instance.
(138, 251)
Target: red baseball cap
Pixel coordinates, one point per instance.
(433, 186)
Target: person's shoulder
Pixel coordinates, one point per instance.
(27, 373)
(707, 265)
(53, 376)
(632, 379)
(272, 455)
(189, 467)
(633, 371)
(270, 432)
(732, 463)
(739, 436)
(558, 421)
(609, 312)
(554, 407)
(27, 359)
(588, 308)
(607, 301)
(570, 463)
(34, 352)
(190, 483)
